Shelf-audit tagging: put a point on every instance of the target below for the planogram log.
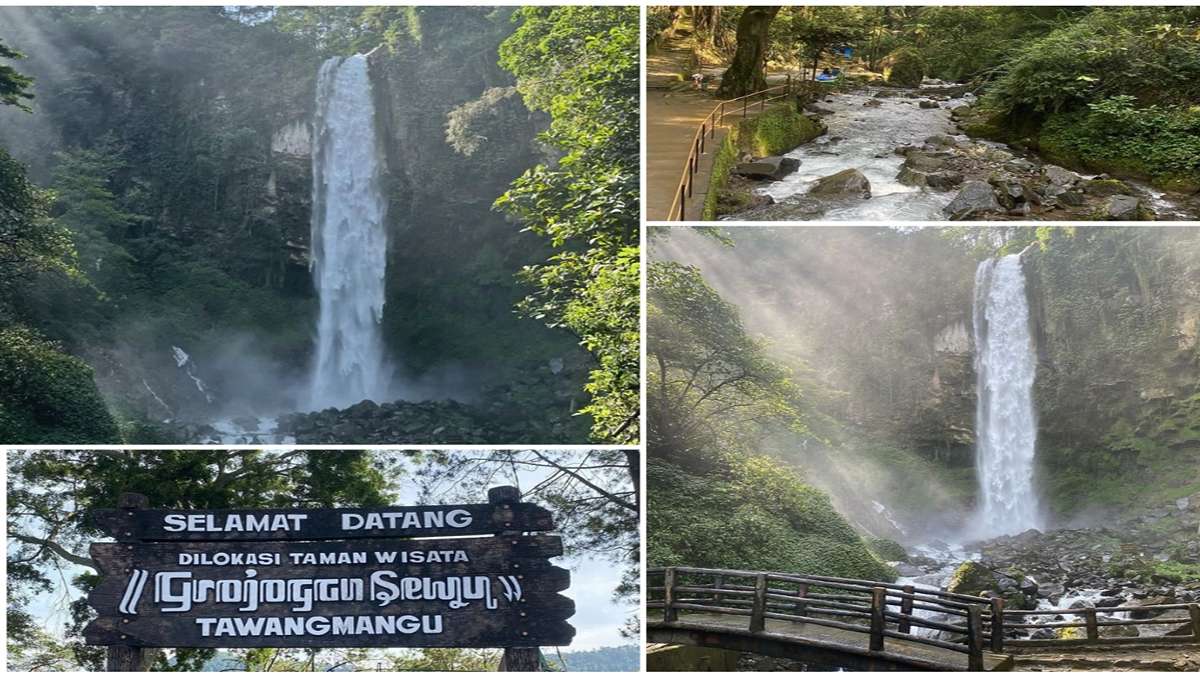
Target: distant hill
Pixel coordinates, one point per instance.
(593, 660)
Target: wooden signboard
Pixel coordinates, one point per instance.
(332, 578)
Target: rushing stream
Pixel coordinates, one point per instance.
(864, 138)
(349, 239)
(1006, 427)
(864, 132)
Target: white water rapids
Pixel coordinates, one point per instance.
(865, 138)
(1006, 427)
(349, 239)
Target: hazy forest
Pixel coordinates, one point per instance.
(935, 113)
(234, 224)
(1010, 412)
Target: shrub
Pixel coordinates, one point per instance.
(907, 67)
(751, 514)
(1147, 52)
(47, 396)
(1116, 135)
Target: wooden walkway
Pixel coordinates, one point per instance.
(671, 121)
(871, 625)
(808, 641)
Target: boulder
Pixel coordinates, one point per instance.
(924, 161)
(848, 183)
(796, 207)
(873, 103)
(942, 141)
(1121, 207)
(929, 104)
(1070, 198)
(1060, 176)
(767, 168)
(1104, 187)
(975, 197)
(935, 180)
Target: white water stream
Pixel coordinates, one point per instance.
(1006, 426)
(867, 138)
(349, 239)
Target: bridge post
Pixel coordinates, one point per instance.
(758, 619)
(878, 606)
(718, 584)
(906, 604)
(974, 638)
(801, 593)
(998, 625)
(1194, 610)
(670, 614)
(1093, 630)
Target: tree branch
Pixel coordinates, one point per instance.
(57, 548)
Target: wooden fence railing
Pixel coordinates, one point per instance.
(881, 610)
(707, 130)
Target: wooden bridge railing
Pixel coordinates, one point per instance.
(707, 131)
(1092, 623)
(881, 610)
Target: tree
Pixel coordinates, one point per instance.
(14, 87)
(746, 73)
(50, 492)
(706, 377)
(581, 65)
(30, 242)
(594, 496)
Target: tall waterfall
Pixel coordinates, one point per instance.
(1006, 427)
(349, 241)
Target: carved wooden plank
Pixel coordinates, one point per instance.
(464, 592)
(307, 524)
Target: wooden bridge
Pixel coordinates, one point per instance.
(869, 625)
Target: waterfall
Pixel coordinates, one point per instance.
(349, 240)
(1006, 427)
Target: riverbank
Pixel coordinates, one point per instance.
(910, 159)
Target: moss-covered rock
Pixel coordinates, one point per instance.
(778, 130)
(904, 67)
(972, 578)
(887, 549)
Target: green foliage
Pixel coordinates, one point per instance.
(581, 65)
(1115, 135)
(750, 513)
(907, 67)
(778, 130)
(726, 158)
(1147, 52)
(1177, 572)
(47, 396)
(887, 549)
(706, 379)
(30, 243)
(14, 87)
(447, 660)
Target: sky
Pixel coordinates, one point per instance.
(597, 618)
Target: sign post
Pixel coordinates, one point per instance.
(474, 575)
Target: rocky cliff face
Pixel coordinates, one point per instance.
(1115, 314)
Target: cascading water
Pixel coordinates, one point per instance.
(349, 240)
(1006, 428)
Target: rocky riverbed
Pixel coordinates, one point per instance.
(893, 154)
(1151, 558)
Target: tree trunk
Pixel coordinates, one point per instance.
(745, 74)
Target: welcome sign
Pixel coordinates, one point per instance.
(367, 589)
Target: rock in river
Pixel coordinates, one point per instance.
(1121, 207)
(975, 197)
(768, 168)
(848, 183)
